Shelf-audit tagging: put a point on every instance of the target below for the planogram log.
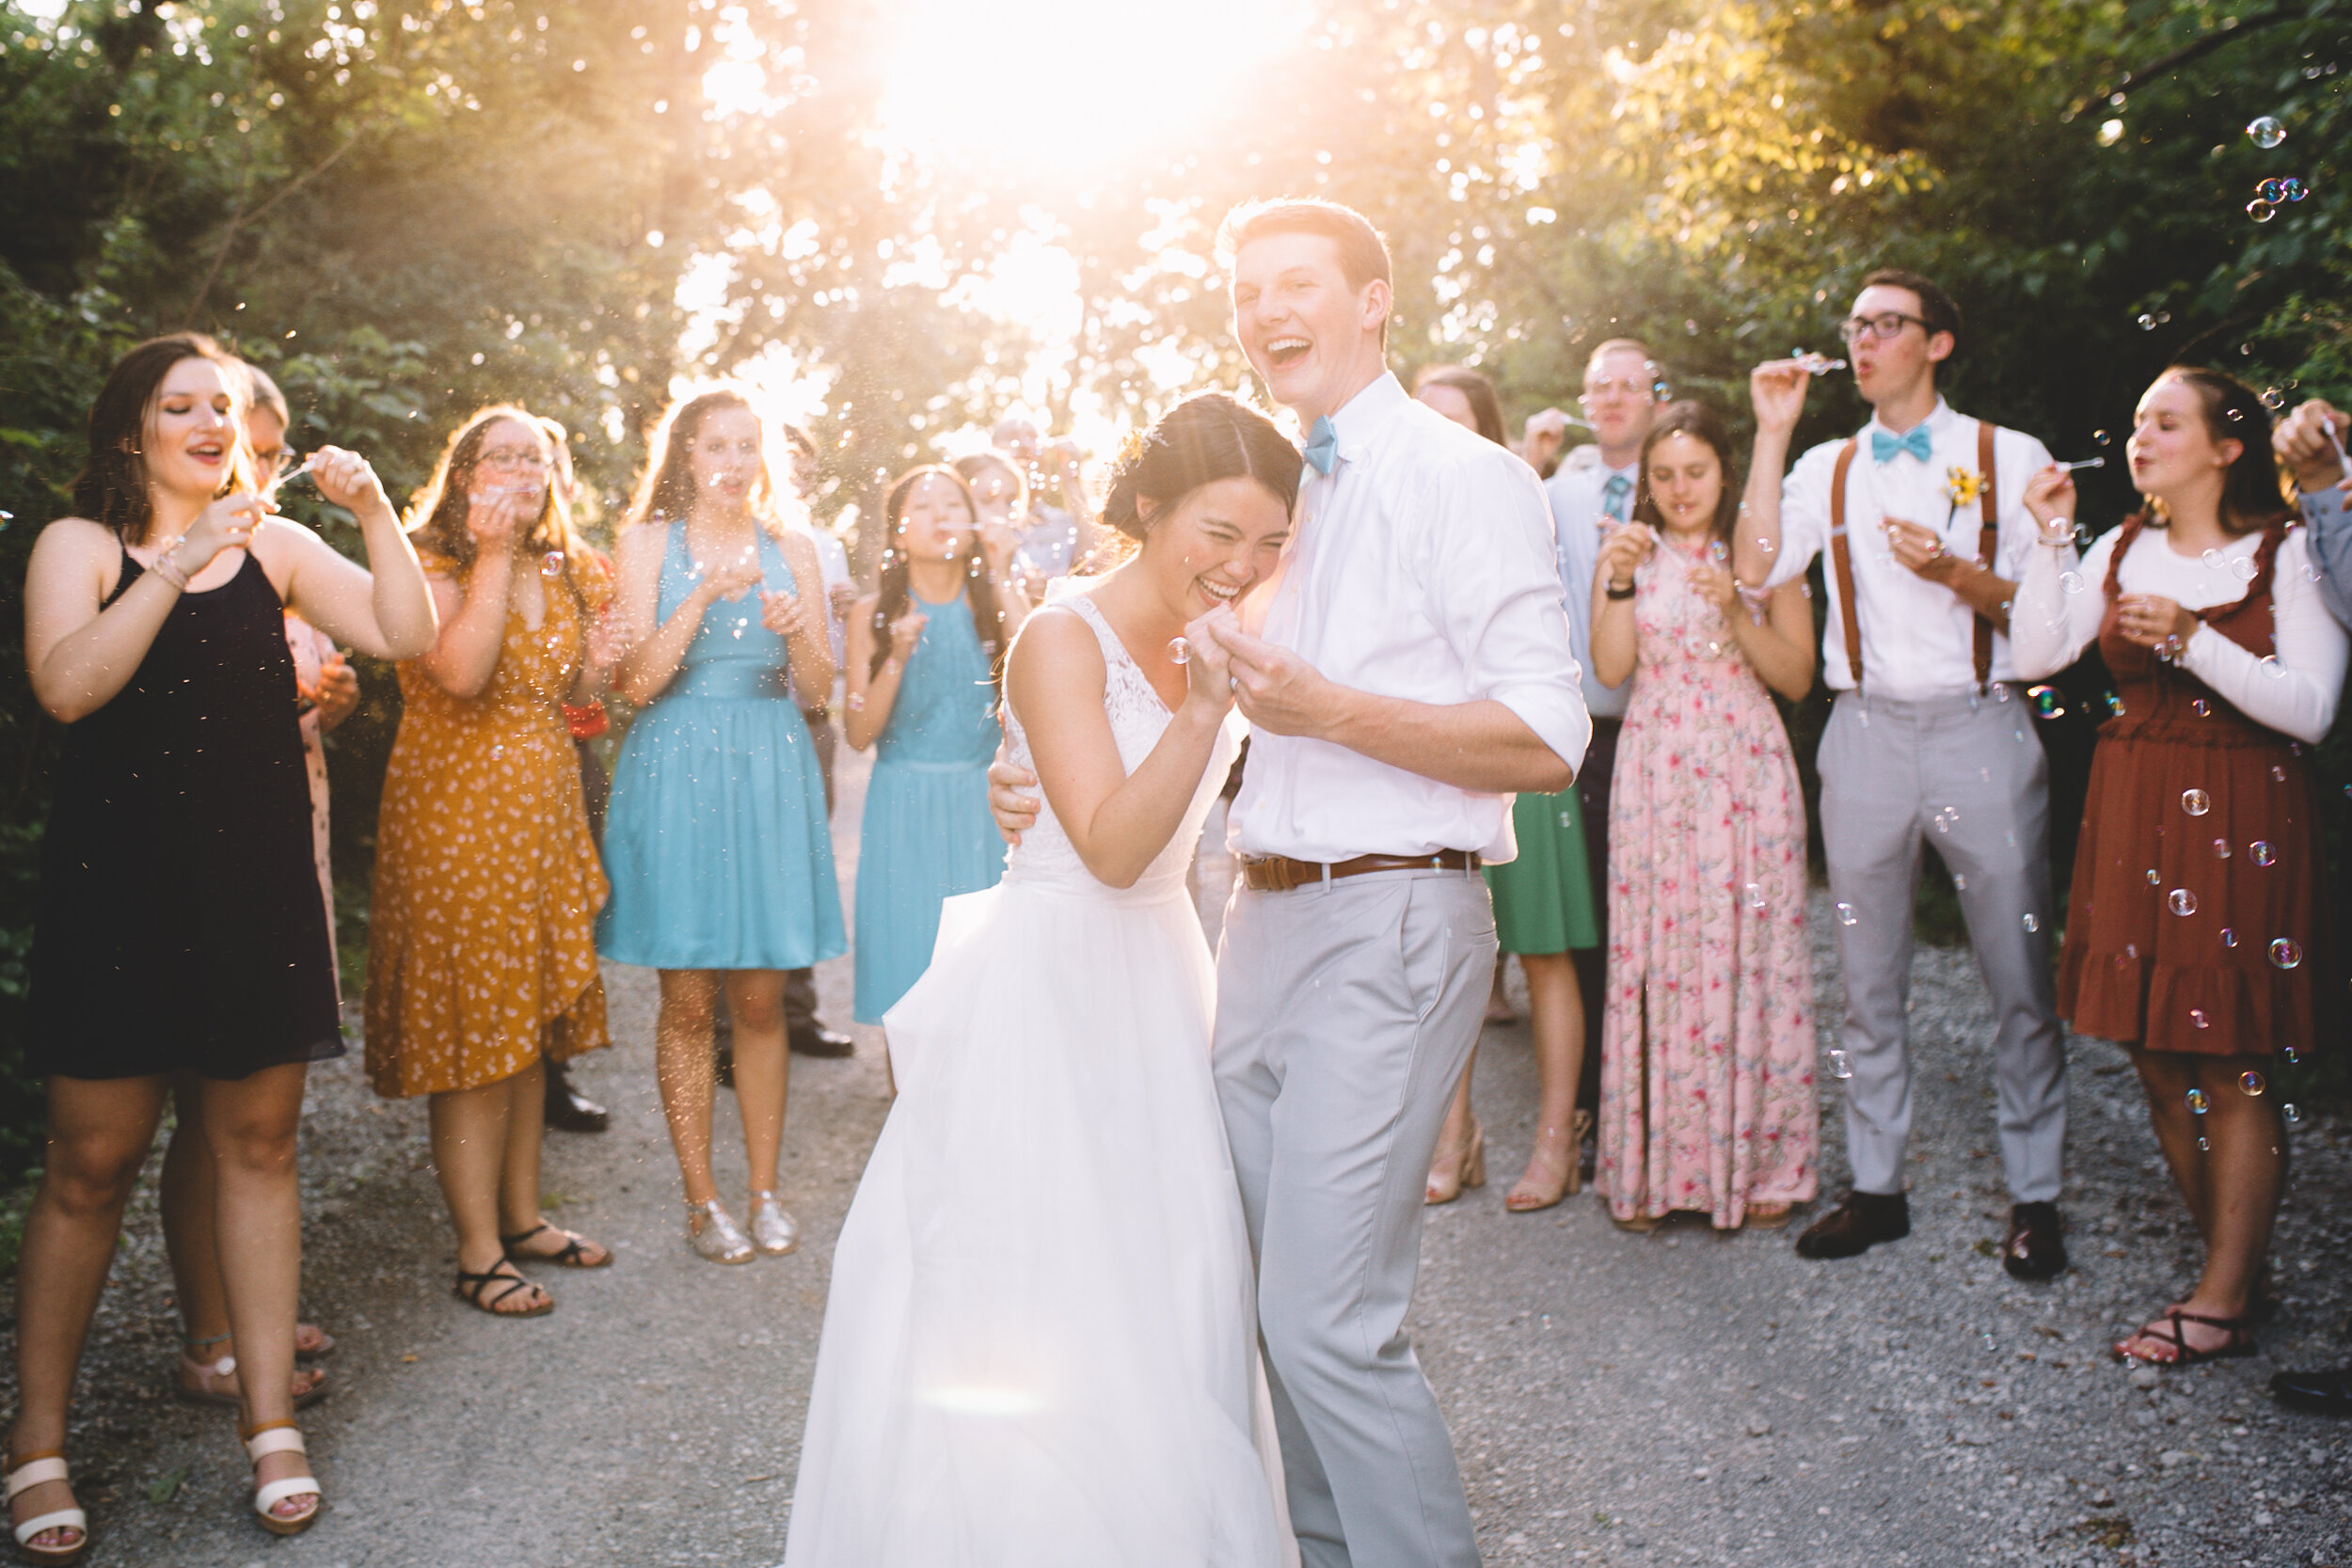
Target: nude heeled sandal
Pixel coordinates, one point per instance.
(30, 1471)
(281, 1437)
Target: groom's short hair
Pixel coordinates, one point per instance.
(1363, 254)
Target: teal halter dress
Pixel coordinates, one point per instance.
(715, 834)
(928, 835)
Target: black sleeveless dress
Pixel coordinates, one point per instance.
(179, 926)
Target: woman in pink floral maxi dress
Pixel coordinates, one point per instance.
(1707, 1099)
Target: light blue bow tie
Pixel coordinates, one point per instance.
(1883, 447)
(1323, 445)
(1612, 496)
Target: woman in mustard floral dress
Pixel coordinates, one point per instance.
(1707, 1034)
(482, 961)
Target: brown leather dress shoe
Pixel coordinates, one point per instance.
(1859, 1223)
(2033, 1250)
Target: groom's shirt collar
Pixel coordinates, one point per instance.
(1362, 419)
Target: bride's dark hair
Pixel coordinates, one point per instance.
(1207, 437)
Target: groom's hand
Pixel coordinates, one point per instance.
(1015, 811)
(1275, 688)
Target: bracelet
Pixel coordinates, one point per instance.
(167, 568)
(1613, 592)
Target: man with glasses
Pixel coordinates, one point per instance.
(1922, 519)
(1593, 492)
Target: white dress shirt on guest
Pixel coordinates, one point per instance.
(1918, 638)
(1421, 568)
(833, 563)
(2296, 694)
(1580, 515)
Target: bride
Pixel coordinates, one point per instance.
(1040, 1346)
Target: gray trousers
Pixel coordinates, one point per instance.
(1970, 777)
(1344, 1015)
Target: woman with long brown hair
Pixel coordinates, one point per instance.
(2193, 931)
(1706, 1030)
(178, 931)
(716, 840)
(926, 659)
(481, 965)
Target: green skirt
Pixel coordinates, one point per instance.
(1543, 899)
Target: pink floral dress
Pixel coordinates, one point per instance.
(1706, 1036)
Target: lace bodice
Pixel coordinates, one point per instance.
(1137, 718)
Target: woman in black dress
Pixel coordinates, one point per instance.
(179, 929)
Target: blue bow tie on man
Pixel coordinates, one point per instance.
(1884, 448)
(1323, 445)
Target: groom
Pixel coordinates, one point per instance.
(1410, 674)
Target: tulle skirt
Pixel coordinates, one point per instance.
(1040, 1348)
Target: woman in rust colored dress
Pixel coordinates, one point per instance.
(482, 959)
(2193, 935)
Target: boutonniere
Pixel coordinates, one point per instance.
(1964, 487)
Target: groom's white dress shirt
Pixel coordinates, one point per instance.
(1422, 568)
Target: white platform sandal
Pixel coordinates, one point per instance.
(32, 1471)
(281, 1437)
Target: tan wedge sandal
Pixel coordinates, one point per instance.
(71, 1523)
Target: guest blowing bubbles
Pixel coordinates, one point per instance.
(2195, 891)
(179, 928)
(480, 960)
(722, 866)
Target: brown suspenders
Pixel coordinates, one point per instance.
(1841, 554)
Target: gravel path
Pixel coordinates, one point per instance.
(1680, 1397)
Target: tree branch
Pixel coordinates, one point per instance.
(237, 223)
(2228, 33)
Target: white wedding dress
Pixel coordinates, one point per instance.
(1040, 1348)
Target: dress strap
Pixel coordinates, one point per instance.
(1115, 652)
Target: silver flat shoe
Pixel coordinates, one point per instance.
(721, 1240)
(773, 1231)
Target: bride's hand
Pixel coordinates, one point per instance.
(1209, 673)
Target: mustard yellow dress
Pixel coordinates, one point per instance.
(481, 955)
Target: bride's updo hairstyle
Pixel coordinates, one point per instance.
(1207, 437)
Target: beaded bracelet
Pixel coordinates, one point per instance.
(167, 568)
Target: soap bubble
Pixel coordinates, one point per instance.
(2216, 560)
(2261, 852)
(2295, 189)
(2272, 190)
(2099, 437)
(2252, 1082)
(2243, 568)
(2266, 131)
(2196, 802)
(2070, 582)
(2147, 322)
(2196, 1017)
(2183, 901)
(2197, 1103)
(1179, 651)
(2201, 707)
(2048, 701)
(2274, 399)
(2032, 923)
(1846, 915)
(2259, 210)
(2229, 938)
(1960, 883)
(2156, 877)
(1839, 1065)
(2222, 848)
(2115, 705)
(2202, 1146)
(2289, 1052)
(2270, 666)
(551, 565)
(2294, 1116)
(1754, 896)
(2286, 952)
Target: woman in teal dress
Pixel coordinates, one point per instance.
(925, 655)
(715, 836)
(1543, 909)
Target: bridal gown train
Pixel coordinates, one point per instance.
(1040, 1347)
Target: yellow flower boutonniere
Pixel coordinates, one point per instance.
(1962, 486)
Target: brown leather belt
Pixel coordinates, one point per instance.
(1279, 873)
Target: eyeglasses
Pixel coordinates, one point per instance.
(507, 460)
(1890, 325)
(275, 461)
(1608, 386)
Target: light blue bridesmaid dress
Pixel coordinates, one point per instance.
(928, 835)
(715, 836)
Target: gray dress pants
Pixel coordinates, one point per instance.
(1344, 1015)
(1968, 775)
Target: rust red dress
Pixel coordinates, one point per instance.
(2193, 926)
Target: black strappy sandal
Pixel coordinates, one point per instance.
(2240, 1343)
(470, 1286)
(570, 1257)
